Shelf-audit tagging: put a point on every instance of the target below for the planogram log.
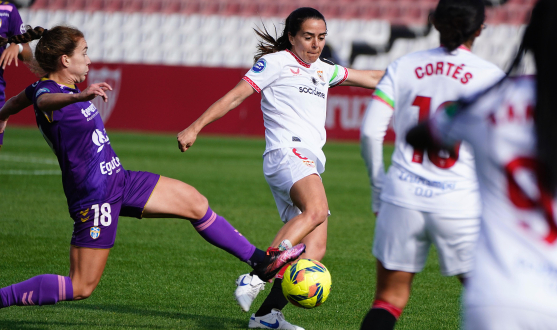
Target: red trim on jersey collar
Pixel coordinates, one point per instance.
(302, 63)
(253, 85)
(460, 47)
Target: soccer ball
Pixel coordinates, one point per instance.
(306, 283)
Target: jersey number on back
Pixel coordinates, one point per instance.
(521, 200)
(434, 154)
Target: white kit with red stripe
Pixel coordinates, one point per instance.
(294, 100)
(413, 88)
(516, 255)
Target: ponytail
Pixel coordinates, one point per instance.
(30, 35)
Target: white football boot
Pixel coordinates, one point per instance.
(247, 290)
(273, 320)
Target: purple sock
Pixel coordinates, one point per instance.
(44, 289)
(217, 231)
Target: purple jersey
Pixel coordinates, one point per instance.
(91, 171)
(10, 25)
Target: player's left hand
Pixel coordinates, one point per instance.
(9, 55)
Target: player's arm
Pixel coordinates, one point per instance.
(363, 78)
(11, 53)
(55, 101)
(231, 100)
(372, 133)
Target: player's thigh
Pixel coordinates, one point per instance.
(455, 240)
(172, 198)
(506, 318)
(316, 242)
(86, 268)
(400, 240)
(286, 169)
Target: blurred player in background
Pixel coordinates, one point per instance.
(97, 187)
(294, 84)
(428, 196)
(512, 130)
(10, 25)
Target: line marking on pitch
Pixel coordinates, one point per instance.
(33, 160)
(30, 172)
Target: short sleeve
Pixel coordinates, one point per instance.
(30, 91)
(46, 87)
(385, 91)
(338, 76)
(264, 72)
(16, 26)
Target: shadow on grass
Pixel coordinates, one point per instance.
(195, 321)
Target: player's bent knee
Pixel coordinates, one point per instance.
(317, 216)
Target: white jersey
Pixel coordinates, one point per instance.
(415, 86)
(294, 100)
(516, 255)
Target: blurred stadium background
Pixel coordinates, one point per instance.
(182, 55)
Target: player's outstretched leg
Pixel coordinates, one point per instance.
(46, 289)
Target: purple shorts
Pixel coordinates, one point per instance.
(95, 225)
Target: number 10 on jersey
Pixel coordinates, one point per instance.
(437, 156)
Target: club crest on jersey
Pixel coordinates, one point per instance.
(309, 163)
(100, 139)
(114, 79)
(259, 66)
(320, 75)
(95, 232)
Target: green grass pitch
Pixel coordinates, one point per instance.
(161, 274)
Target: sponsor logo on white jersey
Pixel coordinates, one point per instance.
(100, 139)
(295, 71)
(90, 111)
(109, 167)
(114, 79)
(312, 91)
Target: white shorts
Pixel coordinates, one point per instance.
(282, 168)
(507, 318)
(403, 237)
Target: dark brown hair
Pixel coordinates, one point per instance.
(268, 44)
(458, 20)
(53, 43)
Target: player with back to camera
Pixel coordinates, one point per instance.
(294, 83)
(428, 196)
(97, 187)
(511, 127)
(10, 25)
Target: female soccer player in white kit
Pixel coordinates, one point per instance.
(294, 84)
(428, 196)
(512, 129)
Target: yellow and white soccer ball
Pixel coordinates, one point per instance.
(306, 283)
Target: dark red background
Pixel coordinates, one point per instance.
(169, 98)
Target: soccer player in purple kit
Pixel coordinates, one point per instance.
(10, 25)
(98, 189)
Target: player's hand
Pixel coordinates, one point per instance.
(186, 138)
(9, 55)
(95, 90)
